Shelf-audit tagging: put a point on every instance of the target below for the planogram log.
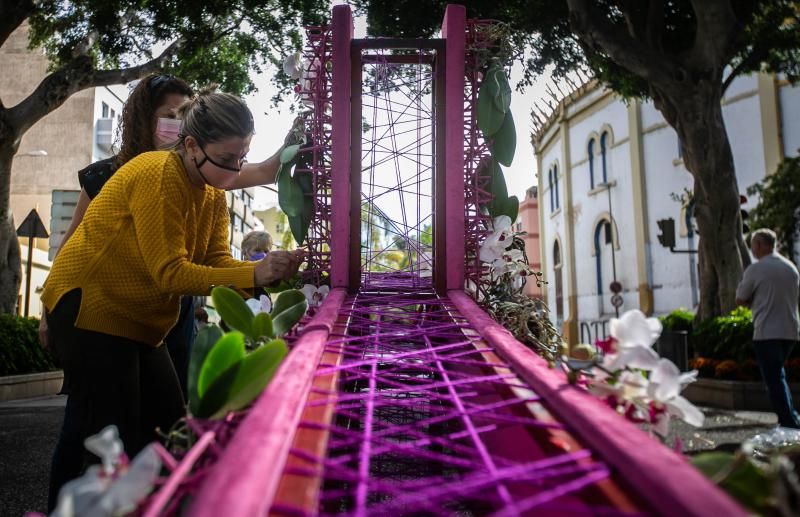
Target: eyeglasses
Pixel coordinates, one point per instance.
(239, 163)
(158, 80)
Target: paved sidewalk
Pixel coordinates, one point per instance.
(28, 432)
(29, 428)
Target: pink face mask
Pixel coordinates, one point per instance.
(168, 130)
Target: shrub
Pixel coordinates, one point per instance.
(727, 370)
(20, 351)
(725, 337)
(677, 320)
(704, 366)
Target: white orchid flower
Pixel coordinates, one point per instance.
(314, 294)
(635, 335)
(495, 244)
(666, 383)
(107, 446)
(263, 304)
(308, 76)
(100, 492)
(293, 65)
(125, 493)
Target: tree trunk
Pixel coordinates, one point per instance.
(10, 257)
(696, 114)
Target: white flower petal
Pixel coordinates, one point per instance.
(688, 377)
(501, 223)
(79, 496)
(107, 445)
(292, 65)
(309, 290)
(129, 489)
(686, 411)
(266, 304)
(633, 328)
(324, 290)
(254, 305)
(641, 357)
(666, 379)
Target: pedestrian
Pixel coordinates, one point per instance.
(256, 244)
(158, 230)
(770, 288)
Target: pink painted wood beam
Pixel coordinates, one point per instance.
(246, 478)
(660, 476)
(454, 33)
(342, 30)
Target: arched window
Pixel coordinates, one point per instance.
(603, 154)
(557, 270)
(591, 163)
(555, 181)
(550, 188)
(603, 247)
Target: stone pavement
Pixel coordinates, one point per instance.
(29, 429)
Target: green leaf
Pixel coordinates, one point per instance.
(505, 142)
(305, 180)
(206, 338)
(232, 309)
(738, 476)
(288, 309)
(290, 194)
(510, 207)
(262, 326)
(490, 118)
(498, 189)
(225, 353)
(283, 285)
(289, 153)
(244, 381)
(502, 99)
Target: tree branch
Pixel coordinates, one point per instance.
(598, 33)
(73, 77)
(12, 14)
(716, 30)
(754, 57)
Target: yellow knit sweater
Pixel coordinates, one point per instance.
(146, 239)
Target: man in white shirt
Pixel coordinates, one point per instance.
(770, 288)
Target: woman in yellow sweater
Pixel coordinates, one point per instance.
(157, 230)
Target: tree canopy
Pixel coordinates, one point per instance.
(564, 35)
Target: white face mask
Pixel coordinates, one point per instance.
(168, 130)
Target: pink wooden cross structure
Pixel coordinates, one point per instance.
(401, 395)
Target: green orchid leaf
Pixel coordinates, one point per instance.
(206, 338)
(306, 182)
(502, 99)
(490, 118)
(289, 153)
(262, 326)
(741, 478)
(288, 309)
(511, 208)
(283, 285)
(290, 194)
(498, 189)
(232, 309)
(228, 351)
(504, 144)
(244, 381)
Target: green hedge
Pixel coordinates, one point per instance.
(725, 337)
(20, 351)
(679, 319)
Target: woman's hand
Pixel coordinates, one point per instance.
(277, 265)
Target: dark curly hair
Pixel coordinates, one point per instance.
(138, 126)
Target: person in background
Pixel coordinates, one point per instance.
(256, 245)
(770, 288)
(158, 230)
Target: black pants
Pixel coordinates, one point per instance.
(113, 380)
(771, 354)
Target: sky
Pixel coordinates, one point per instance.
(272, 125)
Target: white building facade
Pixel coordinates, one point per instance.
(609, 171)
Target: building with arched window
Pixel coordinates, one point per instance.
(611, 170)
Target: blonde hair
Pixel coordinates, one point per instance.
(256, 240)
(212, 116)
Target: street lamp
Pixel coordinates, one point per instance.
(614, 284)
